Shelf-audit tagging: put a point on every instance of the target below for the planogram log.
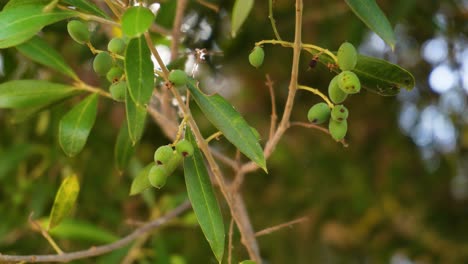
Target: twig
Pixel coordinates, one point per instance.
(272, 229)
(179, 15)
(231, 233)
(272, 19)
(317, 92)
(83, 86)
(45, 234)
(284, 124)
(100, 250)
(209, 5)
(274, 117)
(310, 125)
(215, 135)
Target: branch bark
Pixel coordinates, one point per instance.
(100, 250)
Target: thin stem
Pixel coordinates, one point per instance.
(155, 53)
(274, 116)
(100, 250)
(209, 5)
(272, 19)
(214, 136)
(86, 87)
(305, 47)
(314, 126)
(181, 6)
(317, 92)
(272, 229)
(46, 235)
(231, 234)
(98, 19)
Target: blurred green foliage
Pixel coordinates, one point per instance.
(380, 200)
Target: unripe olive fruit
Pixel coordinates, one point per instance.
(117, 90)
(335, 93)
(157, 176)
(163, 154)
(102, 63)
(178, 77)
(114, 74)
(338, 129)
(319, 113)
(116, 45)
(256, 57)
(339, 113)
(184, 147)
(78, 31)
(347, 56)
(349, 82)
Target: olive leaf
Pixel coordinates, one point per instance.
(64, 200)
(234, 127)
(75, 126)
(203, 199)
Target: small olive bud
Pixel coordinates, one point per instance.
(157, 176)
(349, 82)
(117, 90)
(256, 57)
(185, 148)
(347, 56)
(78, 31)
(336, 95)
(102, 63)
(339, 113)
(178, 77)
(319, 113)
(163, 154)
(338, 129)
(116, 45)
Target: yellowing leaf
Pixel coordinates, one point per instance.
(64, 200)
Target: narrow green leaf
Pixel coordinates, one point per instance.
(240, 12)
(371, 14)
(139, 71)
(17, 3)
(136, 20)
(203, 199)
(136, 117)
(378, 76)
(124, 149)
(74, 127)
(31, 93)
(64, 200)
(21, 23)
(87, 6)
(235, 129)
(39, 51)
(141, 182)
(78, 230)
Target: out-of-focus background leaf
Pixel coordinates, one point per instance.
(397, 194)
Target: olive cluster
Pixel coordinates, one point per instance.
(339, 88)
(104, 63)
(167, 160)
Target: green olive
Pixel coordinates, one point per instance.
(347, 56)
(318, 113)
(256, 57)
(336, 95)
(178, 77)
(114, 74)
(338, 129)
(185, 148)
(163, 154)
(349, 82)
(78, 31)
(102, 63)
(116, 45)
(339, 113)
(157, 176)
(117, 90)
